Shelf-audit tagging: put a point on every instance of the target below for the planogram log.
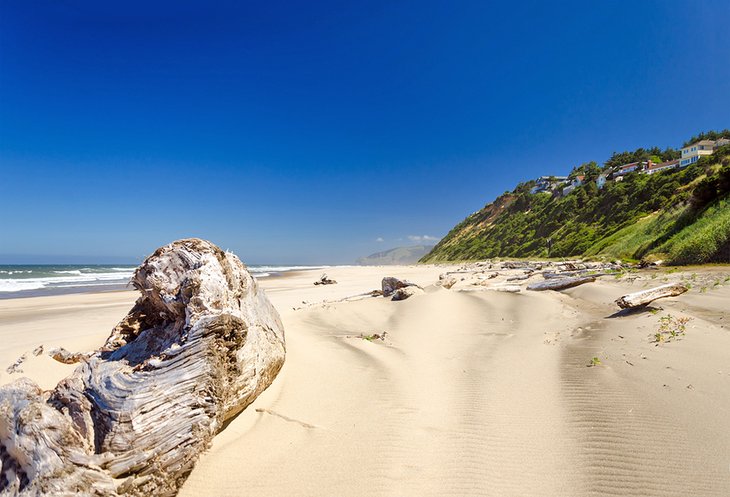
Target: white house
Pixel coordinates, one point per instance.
(662, 166)
(547, 183)
(601, 181)
(577, 181)
(694, 151)
(632, 167)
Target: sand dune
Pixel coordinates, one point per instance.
(478, 393)
(487, 394)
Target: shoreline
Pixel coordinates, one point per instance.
(471, 392)
(93, 289)
(51, 292)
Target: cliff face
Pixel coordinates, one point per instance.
(463, 241)
(681, 216)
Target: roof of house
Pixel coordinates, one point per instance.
(664, 164)
(701, 142)
(556, 178)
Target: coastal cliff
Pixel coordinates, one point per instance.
(638, 210)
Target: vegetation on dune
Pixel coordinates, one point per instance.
(705, 240)
(681, 216)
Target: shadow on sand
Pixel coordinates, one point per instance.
(636, 310)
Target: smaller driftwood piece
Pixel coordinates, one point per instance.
(560, 283)
(644, 297)
(390, 284)
(200, 344)
(324, 280)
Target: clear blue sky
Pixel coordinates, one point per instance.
(291, 132)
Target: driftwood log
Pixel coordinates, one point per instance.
(551, 275)
(644, 297)
(324, 280)
(391, 284)
(407, 292)
(62, 355)
(560, 283)
(199, 345)
(15, 367)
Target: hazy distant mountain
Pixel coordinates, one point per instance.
(398, 255)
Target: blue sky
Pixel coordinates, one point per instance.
(291, 132)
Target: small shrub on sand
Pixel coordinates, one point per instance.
(670, 328)
(594, 362)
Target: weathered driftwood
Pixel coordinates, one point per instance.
(15, 367)
(391, 284)
(198, 346)
(62, 355)
(567, 274)
(560, 284)
(644, 297)
(324, 280)
(551, 275)
(515, 265)
(350, 298)
(448, 282)
(407, 292)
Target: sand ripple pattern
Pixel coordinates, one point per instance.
(465, 398)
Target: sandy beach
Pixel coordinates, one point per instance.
(472, 391)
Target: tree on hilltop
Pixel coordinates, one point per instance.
(708, 135)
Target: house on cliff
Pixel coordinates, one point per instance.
(631, 168)
(662, 166)
(577, 181)
(547, 183)
(693, 152)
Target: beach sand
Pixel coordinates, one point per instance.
(470, 393)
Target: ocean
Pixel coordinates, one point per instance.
(44, 279)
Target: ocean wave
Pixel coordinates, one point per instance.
(19, 285)
(61, 277)
(69, 279)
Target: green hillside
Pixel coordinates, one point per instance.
(681, 216)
